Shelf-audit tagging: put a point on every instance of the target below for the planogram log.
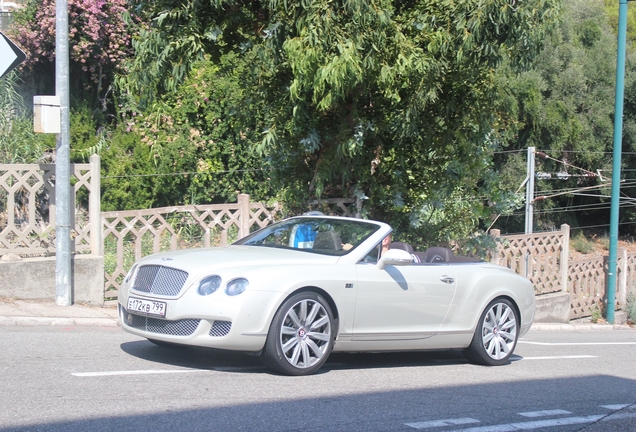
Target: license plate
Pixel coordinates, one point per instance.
(147, 307)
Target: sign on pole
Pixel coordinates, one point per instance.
(10, 55)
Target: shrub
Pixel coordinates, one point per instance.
(18, 142)
(581, 244)
(631, 307)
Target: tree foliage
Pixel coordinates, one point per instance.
(397, 103)
(170, 37)
(191, 147)
(18, 142)
(390, 100)
(564, 107)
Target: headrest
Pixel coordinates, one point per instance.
(404, 246)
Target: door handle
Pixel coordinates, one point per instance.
(447, 279)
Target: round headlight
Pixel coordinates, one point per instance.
(236, 286)
(208, 285)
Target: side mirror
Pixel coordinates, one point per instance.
(395, 257)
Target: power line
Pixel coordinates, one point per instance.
(578, 208)
(186, 173)
(586, 227)
(564, 151)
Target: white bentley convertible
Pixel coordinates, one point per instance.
(297, 290)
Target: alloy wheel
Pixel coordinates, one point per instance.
(305, 333)
(499, 331)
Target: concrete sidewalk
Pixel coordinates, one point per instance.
(46, 312)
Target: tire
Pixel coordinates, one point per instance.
(300, 337)
(496, 334)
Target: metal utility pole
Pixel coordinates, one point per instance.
(63, 272)
(616, 161)
(530, 191)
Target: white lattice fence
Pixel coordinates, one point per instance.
(540, 257)
(27, 208)
(130, 235)
(587, 285)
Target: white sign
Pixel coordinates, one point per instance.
(10, 55)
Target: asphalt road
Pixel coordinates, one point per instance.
(101, 379)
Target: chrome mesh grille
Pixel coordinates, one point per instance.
(183, 327)
(220, 328)
(160, 280)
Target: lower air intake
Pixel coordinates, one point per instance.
(220, 328)
(183, 327)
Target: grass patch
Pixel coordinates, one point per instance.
(582, 244)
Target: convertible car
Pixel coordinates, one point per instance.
(299, 289)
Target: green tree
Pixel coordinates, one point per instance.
(392, 100)
(192, 146)
(18, 142)
(169, 38)
(395, 100)
(564, 107)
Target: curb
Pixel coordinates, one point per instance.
(578, 327)
(47, 321)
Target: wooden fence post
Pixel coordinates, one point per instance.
(94, 207)
(565, 256)
(244, 215)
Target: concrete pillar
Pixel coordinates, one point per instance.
(244, 215)
(565, 257)
(94, 207)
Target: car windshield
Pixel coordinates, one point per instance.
(318, 235)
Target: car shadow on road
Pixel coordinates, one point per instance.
(220, 360)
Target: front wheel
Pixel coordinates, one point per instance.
(496, 335)
(300, 338)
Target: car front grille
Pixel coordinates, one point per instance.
(182, 327)
(160, 280)
(220, 328)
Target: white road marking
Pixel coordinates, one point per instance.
(136, 372)
(615, 407)
(575, 343)
(537, 424)
(167, 371)
(554, 357)
(529, 425)
(442, 423)
(544, 413)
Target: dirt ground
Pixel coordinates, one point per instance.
(600, 247)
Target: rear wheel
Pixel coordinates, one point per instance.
(300, 338)
(496, 335)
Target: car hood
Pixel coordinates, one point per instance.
(197, 260)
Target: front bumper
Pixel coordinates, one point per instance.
(191, 331)
(238, 323)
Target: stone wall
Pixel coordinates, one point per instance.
(34, 278)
